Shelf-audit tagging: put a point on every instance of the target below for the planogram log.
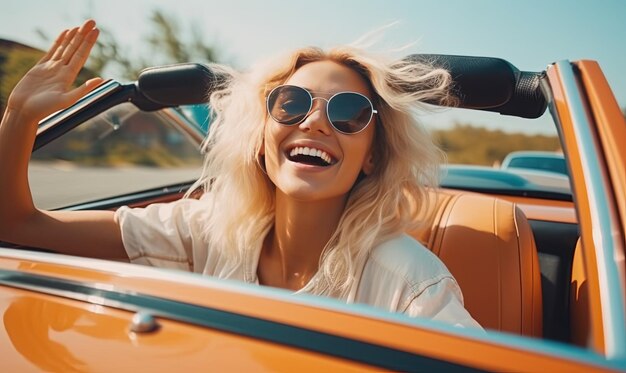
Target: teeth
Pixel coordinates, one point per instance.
(311, 152)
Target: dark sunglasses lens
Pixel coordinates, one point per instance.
(289, 104)
(349, 112)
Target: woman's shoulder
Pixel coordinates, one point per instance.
(408, 258)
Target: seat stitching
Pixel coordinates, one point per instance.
(521, 274)
(444, 227)
(438, 216)
(499, 282)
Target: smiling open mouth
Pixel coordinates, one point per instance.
(310, 156)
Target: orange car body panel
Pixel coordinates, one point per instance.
(611, 128)
(67, 335)
(607, 130)
(96, 332)
(568, 139)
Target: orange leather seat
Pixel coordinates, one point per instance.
(580, 319)
(488, 245)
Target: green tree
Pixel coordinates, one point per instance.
(15, 60)
(164, 40)
(466, 144)
(166, 46)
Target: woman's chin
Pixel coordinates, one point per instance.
(303, 186)
(308, 192)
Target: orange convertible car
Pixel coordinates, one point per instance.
(542, 271)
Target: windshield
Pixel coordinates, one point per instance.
(120, 151)
(478, 145)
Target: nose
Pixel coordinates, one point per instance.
(317, 119)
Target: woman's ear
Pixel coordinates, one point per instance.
(262, 147)
(260, 157)
(368, 165)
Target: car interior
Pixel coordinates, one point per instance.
(502, 290)
(516, 258)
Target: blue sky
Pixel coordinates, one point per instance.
(529, 34)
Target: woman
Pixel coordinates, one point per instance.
(315, 168)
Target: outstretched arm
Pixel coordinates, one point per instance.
(47, 88)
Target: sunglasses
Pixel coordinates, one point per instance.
(348, 112)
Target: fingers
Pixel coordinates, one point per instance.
(77, 40)
(79, 58)
(66, 41)
(79, 92)
(69, 42)
(55, 46)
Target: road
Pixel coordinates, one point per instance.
(57, 185)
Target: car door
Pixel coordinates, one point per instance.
(593, 132)
(463, 350)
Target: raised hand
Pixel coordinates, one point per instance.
(47, 87)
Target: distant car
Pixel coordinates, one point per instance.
(536, 160)
(542, 270)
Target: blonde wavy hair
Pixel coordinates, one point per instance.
(388, 202)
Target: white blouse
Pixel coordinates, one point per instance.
(400, 275)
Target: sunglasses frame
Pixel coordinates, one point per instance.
(267, 105)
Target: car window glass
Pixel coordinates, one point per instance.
(476, 143)
(120, 151)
